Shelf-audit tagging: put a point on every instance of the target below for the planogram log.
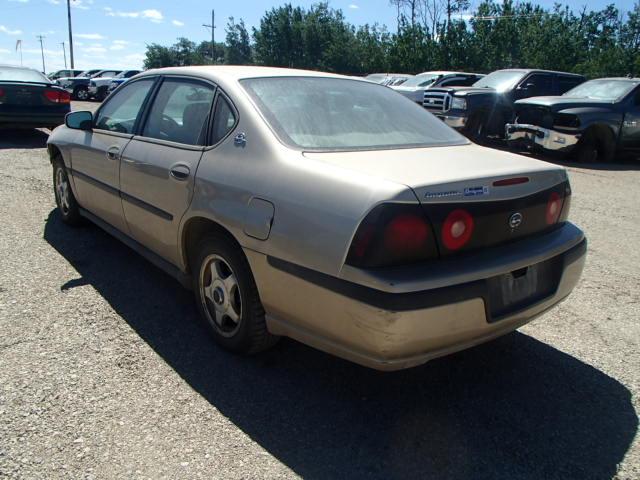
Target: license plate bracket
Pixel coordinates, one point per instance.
(522, 288)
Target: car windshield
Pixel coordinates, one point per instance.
(342, 114)
(421, 80)
(12, 74)
(501, 80)
(602, 89)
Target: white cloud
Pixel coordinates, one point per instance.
(177, 23)
(353, 6)
(19, 1)
(120, 42)
(90, 36)
(94, 49)
(4, 50)
(8, 31)
(54, 2)
(150, 14)
(82, 4)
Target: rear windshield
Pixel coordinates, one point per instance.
(342, 114)
(501, 80)
(11, 74)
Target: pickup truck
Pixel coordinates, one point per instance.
(415, 87)
(481, 111)
(78, 87)
(99, 87)
(594, 121)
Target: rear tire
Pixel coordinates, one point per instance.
(476, 128)
(227, 297)
(65, 200)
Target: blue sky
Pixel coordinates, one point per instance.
(113, 33)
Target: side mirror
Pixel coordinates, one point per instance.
(79, 121)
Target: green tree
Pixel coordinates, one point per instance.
(238, 47)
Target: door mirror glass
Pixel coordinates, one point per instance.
(79, 120)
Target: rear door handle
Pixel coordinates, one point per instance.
(113, 153)
(180, 172)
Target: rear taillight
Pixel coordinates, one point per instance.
(57, 96)
(554, 207)
(1, 95)
(393, 234)
(457, 229)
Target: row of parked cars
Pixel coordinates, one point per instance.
(94, 84)
(532, 109)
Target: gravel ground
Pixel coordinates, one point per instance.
(106, 373)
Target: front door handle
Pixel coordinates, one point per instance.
(180, 172)
(113, 153)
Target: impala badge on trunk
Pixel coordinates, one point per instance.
(515, 220)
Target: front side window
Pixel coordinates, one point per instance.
(320, 113)
(120, 113)
(180, 112)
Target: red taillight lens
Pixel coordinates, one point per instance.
(554, 207)
(457, 229)
(406, 233)
(510, 181)
(392, 234)
(1, 92)
(57, 96)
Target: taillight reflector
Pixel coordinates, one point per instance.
(554, 207)
(510, 181)
(457, 229)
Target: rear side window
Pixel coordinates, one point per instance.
(567, 83)
(120, 113)
(224, 120)
(180, 112)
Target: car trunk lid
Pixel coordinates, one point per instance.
(497, 189)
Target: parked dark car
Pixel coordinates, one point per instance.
(78, 87)
(28, 99)
(481, 111)
(63, 74)
(594, 121)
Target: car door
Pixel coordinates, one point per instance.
(159, 165)
(536, 85)
(630, 133)
(96, 159)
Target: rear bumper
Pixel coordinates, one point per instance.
(534, 136)
(454, 121)
(394, 330)
(31, 120)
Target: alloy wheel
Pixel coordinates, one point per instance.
(220, 295)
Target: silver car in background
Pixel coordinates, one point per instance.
(323, 208)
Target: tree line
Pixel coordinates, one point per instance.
(430, 35)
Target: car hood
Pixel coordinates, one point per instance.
(461, 91)
(561, 101)
(438, 172)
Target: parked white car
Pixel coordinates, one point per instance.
(415, 87)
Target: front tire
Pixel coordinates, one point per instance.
(227, 297)
(596, 146)
(65, 200)
(81, 94)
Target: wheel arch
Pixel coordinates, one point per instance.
(193, 230)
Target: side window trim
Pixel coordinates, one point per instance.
(111, 97)
(209, 144)
(144, 118)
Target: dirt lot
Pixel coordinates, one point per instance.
(106, 373)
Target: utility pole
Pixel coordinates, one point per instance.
(70, 34)
(64, 51)
(41, 38)
(213, 35)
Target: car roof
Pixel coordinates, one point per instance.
(232, 72)
(535, 70)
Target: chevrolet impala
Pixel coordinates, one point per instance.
(323, 208)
